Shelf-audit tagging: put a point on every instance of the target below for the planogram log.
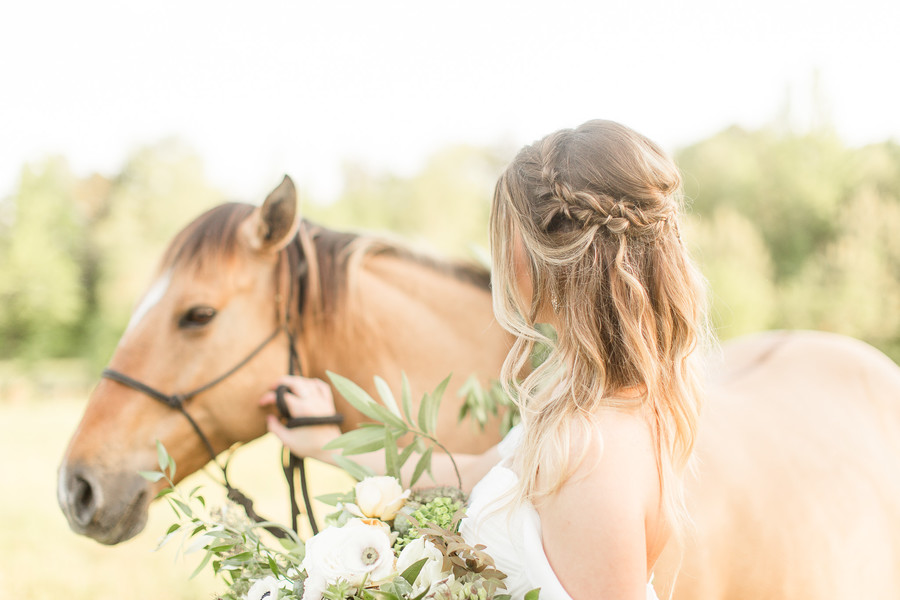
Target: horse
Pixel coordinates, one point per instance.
(795, 494)
(238, 292)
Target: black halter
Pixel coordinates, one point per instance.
(291, 463)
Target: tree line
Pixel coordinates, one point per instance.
(792, 230)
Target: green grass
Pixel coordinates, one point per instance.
(42, 559)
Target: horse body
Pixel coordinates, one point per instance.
(797, 488)
(797, 491)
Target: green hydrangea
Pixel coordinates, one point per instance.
(439, 511)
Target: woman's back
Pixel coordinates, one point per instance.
(538, 547)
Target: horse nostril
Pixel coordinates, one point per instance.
(84, 501)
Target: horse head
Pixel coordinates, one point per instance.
(203, 314)
(235, 290)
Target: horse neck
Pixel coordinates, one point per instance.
(402, 315)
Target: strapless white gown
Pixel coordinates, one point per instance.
(513, 535)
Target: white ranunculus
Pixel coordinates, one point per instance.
(354, 552)
(379, 497)
(264, 589)
(432, 571)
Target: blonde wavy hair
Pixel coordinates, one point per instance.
(596, 211)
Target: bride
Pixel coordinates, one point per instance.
(582, 497)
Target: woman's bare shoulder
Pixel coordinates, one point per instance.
(596, 523)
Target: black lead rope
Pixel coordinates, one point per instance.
(292, 463)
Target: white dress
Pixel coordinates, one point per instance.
(512, 536)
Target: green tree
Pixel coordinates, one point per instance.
(40, 289)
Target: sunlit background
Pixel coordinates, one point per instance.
(122, 120)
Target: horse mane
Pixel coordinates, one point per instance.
(324, 260)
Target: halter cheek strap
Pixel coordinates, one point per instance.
(177, 401)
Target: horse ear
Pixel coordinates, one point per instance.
(273, 225)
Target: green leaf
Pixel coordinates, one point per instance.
(184, 507)
(438, 392)
(428, 413)
(336, 498)
(354, 469)
(151, 476)
(379, 595)
(364, 403)
(398, 587)
(423, 464)
(404, 456)
(406, 398)
(354, 394)
(387, 396)
(390, 455)
(273, 566)
(202, 565)
(533, 594)
(423, 414)
(413, 570)
(162, 457)
(367, 438)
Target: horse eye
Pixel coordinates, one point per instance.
(197, 316)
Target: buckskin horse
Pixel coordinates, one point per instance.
(797, 489)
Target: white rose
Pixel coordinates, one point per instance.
(432, 571)
(264, 589)
(352, 553)
(378, 497)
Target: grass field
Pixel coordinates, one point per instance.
(42, 559)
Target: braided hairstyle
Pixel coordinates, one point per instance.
(595, 210)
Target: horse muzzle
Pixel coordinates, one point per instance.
(108, 507)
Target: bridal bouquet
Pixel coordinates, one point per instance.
(385, 540)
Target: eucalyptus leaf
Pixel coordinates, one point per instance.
(438, 392)
(273, 566)
(363, 402)
(421, 466)
(162, 457)
(423, 414)
(387, 396)
(184, 507)
(390, 455)
(151, 476)
(533, 594)
(367, 438)
(404, 456)
(406, 398)
(202, 565)
(413, 570)
(336, 498)
(354, 469)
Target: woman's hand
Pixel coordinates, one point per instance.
(307, 398)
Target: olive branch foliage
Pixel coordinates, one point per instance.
(241, 551)
(392, 421)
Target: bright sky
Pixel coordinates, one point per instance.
(263, 87)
